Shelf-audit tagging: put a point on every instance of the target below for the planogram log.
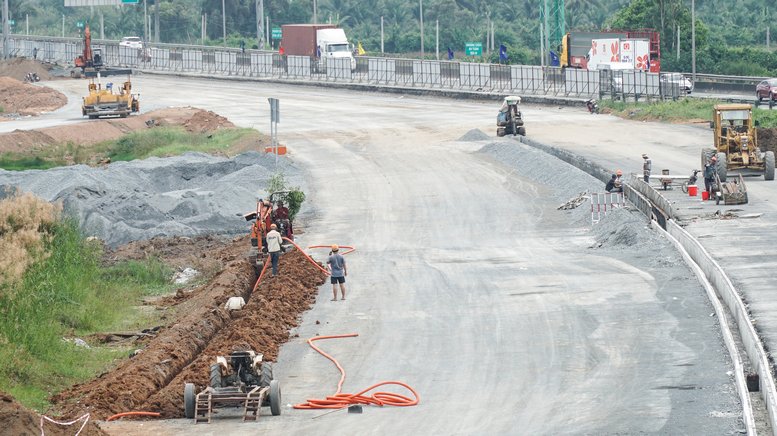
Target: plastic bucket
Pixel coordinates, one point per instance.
(704, 195)
(693, 190)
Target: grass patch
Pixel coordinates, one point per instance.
(171, 141)
(14, 162)
(680, 111)
(68, 294)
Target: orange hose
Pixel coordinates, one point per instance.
(261, 274)
(307, 257)
(351, 249)
(119, 415)
(340, 400)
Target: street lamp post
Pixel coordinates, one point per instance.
(693, 39)
(421, 11)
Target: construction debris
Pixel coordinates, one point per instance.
(575, 202)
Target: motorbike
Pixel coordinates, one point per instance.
(593, 106)
(31, 77)
(691, 180)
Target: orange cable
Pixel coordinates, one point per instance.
(351, 249)
(119, 415)
(340, 400)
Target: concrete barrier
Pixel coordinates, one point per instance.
(730, 297)
(656, 207)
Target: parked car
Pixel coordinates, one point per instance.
(677, 79)
(131, 42)
(766, 89)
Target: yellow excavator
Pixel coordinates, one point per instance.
(108, 100)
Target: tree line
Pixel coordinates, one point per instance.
(729, 40)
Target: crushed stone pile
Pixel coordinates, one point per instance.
(474, 135)
(26, 99)
(187, 195)
(17, 68)
(15, 419)
(620, 229)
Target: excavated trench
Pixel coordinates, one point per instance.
(153, 380)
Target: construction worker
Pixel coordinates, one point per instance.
(610, 184)
(647, 165)
(618, 183)
(709, 174)
(274, 247)
(337, 271)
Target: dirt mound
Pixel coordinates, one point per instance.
(767, 139)
(95, 131)
(153, 380)
(17, 420)
(17, 68)
(202, 122)
(27, 99)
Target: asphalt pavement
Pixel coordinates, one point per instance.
(505, 314)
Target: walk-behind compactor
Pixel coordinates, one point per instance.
(238, 380)
(509, 120)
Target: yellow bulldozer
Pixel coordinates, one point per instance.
(736, 143)
(103, 101)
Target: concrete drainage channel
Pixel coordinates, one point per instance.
(719, 287)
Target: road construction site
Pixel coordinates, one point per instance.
(468, 283)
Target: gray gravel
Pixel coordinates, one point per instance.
(185, 195)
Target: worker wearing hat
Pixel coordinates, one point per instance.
(274, 242)
(338, 270)
(647, 166)
(709, 174)
(618, 181)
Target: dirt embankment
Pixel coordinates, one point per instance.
(15, 419)
(767, 139)
(153, 380)
(17, 68)
(30, 142)
(25, 99)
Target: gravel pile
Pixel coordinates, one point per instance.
(474, 135)
(186, 195)
(620, 229)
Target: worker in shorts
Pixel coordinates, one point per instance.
(337, 271)
(647, 166)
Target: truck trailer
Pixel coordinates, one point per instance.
(587, 50)
(320, 42)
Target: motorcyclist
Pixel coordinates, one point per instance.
(591, 105)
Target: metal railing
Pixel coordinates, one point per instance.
(416, 73)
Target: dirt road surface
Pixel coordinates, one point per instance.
(467, 283)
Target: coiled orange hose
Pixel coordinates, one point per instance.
(340, 400)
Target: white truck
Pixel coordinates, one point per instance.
(321, 42)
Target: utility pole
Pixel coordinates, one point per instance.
(693, 39)
(102, 25)
(27, 25)
(145, 21)
(156, 21)
(315, 12)
(224, 21)
(421, 10)
(202, 29)
(63, 24)
(5, 29)
(437, 39)
(260, 24)
(381, 34)
(542, 46)
(678, 42)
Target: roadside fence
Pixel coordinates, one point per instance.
(428, 74)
